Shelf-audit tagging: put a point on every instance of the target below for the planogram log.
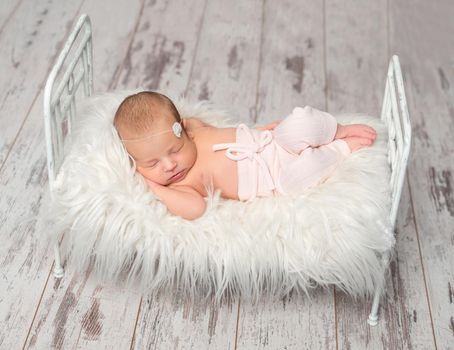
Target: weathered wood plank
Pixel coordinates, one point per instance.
(168, 322)
(161, 58)
(23, 73)
(78, 312)
(25, 259)
(355, 66)
(406, 305)
(166, 64)
(356, 55)
(404, 317)
(58, 318)
(291, 323)
(162, 52)
(7, 9)
(292, 70)
(421, 35)
(227, 60)
(291, 74)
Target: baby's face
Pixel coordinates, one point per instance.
(164, 158)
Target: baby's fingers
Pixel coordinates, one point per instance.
(367, 131)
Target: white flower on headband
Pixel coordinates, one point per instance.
(177, 129)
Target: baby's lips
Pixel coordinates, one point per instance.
(176, 174)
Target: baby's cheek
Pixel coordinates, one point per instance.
(150, 174)
(142, 171)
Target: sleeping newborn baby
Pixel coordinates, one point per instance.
(181, 158)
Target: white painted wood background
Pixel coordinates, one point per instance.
(257, 58)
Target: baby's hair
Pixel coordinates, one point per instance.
(137, 112)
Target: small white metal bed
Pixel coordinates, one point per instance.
(74, 68)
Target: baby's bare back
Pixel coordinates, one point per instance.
(212, 166)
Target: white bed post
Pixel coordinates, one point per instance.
(373, 316)
(395, 115)
(58, 268)
(73, 67)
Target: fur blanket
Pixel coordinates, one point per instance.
(332, 234)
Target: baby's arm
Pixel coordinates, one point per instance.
(181, 200)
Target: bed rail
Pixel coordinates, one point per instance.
(72, 69)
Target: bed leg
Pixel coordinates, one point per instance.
(58, 269)
(373, 316)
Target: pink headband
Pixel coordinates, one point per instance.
(176, 129)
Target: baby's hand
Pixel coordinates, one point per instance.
(181, 200)
(152, 186)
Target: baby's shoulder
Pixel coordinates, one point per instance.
(194, 123)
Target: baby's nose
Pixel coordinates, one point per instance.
(169, 164)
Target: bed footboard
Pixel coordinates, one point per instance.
(395, 115)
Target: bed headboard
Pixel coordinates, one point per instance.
(395, 115)
(73, 69)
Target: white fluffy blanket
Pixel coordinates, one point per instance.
(333, 234)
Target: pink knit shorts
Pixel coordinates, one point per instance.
(298, 154)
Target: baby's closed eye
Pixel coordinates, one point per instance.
(151, 164)
(177, 148)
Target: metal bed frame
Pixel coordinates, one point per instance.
(395, 115)
(60, 101)
(74, 66)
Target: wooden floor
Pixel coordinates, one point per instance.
(257, 58)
